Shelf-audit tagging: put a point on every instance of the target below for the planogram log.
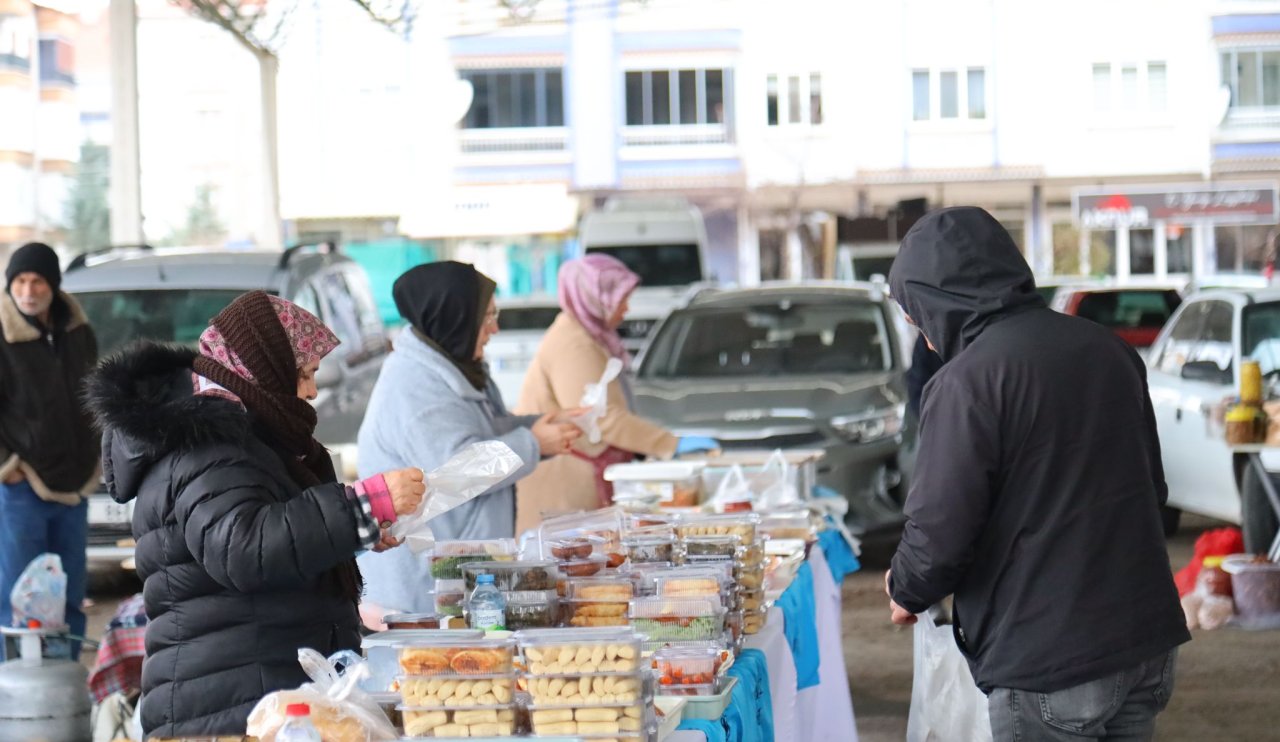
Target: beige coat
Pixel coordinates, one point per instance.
(566, 362)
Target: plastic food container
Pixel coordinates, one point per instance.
(557, 652)
(689, 583)
(382, 650)
(585, 690)
(580, 613)
(447, 557)
(1255, 581)
(449, 655)
(599, 588)
(751, 600)
(753, 622)
(573, 547)
(444, 692)
(429, 723)
(584, 567)
(399, 621)
(649, 549)
(512, 576)
(675, 619)
(711, 707)
(670, 712)
(450, 603)
(708, 546)
(738, 524)
(538, 609)
(605, 524)
(678, 666)
(674, 483)
(618, 721)
(788, 524)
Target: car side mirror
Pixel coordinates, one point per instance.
(328, 375)
(1206, 371)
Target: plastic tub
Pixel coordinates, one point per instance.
(450, 603)
(739, 524)
(599, 588)
(447, 655)
(432, 723)
(586, 690)
(650, 548)
(670, 714)
(573, 547)
(674, 483)
(410, 621)
(686, 666)
(443, 692)
(593, 613)
(674, 619)
(726, 546)
(555, 651)
(447, 557)
(537, 609)
(1255, 582)
(512, 576)
(629, 721)
(711, 707)
(583, 567)
(689, 583)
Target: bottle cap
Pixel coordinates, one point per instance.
(484, 580)
(297, 709)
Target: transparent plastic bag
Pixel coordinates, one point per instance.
(945, 702)
(734, 488)
(340, 711)
(41, 593)
(470, 473)
(773, 485)
(596, 399)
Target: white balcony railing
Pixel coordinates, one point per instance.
(497, 141)
(1252, 118)
(665, 136)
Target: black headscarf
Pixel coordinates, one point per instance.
(958, 271)
(445, 303)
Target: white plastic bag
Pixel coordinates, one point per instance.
(945, 703)
(41, 593)
(734, 488)
(773, 486)
(340, 711)
(470, 473)
(596, 399)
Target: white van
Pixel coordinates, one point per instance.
(663, 239)
(860, 261)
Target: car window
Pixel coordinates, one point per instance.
(527, 318)
(658, 265)
(774, 339)
(1202, 333)
(366, 307)
(341, 315)
(306, 298)
(164, 315)
(1128, 309)
(1261, 335)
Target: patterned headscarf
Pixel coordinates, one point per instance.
(591, 290)
(309, 338)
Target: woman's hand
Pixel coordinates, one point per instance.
(555, 436)
(407, 488)
(386, 542)
(567, 416)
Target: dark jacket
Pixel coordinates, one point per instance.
(1036, 497)
(924, 364)
(233, 554)
(44, 428)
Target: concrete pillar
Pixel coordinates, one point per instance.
(1122, 253)
(593, 91)
(270, 230)
(1162, 250)
(748, 248)
(126, 171)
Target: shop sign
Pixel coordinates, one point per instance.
(1132, 207)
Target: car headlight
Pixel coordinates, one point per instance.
(868, 427)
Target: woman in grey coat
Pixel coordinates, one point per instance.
(433, 398)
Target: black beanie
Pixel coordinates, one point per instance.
(34, 257)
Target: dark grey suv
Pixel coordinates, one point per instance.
(170, 295)
(793, 366)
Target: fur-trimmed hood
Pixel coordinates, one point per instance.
(142, 399)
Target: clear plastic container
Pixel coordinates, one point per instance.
(701, 524)
(586, 690)
(616, 721)
(572, 548)
(583, 613)
(1255, 582)
(449, 603)
(493, 721)
(727, 546)
(670, 619)
(455, 692)
(447, 557)
(513, 576)
(605, 524)
(689, 582)
(599, 588)
(650, 548)
(711, 707)
(726, 569)
(679, 666)
(753, 622)
(674, 483)
(584, 567)
(410, 621)
(557, 652)
(447, 655)
(788, 524)
(751, 600)
(532, 610)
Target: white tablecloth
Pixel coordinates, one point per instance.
(823, 713)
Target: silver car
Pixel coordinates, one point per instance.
(793, 366)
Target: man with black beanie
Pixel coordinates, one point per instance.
(49, 451)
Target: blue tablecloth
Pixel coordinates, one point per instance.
(802, 626)
(839, 554)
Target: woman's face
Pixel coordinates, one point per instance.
(488, 328)
(307, 381)
(619, 314)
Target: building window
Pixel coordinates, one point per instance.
(15, 44)
(514, 99)
(670, 97)
(815, 99)
(920, 95)
(1253, 77)
(794, 100)
(771, 104)
(953, 93)
(1130, 87)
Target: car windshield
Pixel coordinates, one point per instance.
(658, 265)
(526, 318)
(168, 315)
(1261, 335)
(774, 339)
(1129, 309)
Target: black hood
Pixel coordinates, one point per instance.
(957, 272)
(142, 398)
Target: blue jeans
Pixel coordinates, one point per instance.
(1120, 707)
(30, 527)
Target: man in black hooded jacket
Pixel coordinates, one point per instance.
(1036, 498)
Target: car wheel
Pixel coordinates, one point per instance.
(1256, 516)
(1170, 518)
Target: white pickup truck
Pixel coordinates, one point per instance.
(1193, 366)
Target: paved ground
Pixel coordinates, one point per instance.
(1228, 680)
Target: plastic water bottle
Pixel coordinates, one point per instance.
(297, 725)
(486, 606)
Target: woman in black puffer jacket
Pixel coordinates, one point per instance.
(246, 541)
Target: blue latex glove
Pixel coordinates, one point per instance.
(820, 491)
(696, 443)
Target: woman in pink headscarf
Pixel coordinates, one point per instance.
(594, 291)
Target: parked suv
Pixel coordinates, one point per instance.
(792, 366)
(170, 295)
